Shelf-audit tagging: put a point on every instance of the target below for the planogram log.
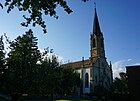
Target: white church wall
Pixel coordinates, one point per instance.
(80, 72)
(86, 89)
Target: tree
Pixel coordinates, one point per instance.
(70, 81)
(50, 75)
(2, 56)
(100, 91)
(121, 84)
(54, 79)
(21, 63)
(118, 85)
(2, 62)
(25, 75)
(36, 9)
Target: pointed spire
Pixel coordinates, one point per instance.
(96, 26)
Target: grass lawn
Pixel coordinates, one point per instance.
(79, 100)
(85, 100)
(1, 99)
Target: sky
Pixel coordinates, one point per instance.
(69, 36)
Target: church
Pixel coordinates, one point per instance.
(94, 71)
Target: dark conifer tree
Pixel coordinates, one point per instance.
(21, 62)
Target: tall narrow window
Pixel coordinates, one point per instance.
(86, 80)
(94, 44)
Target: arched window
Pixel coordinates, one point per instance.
(94, 44)
(86, 80)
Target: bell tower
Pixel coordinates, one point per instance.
(96, 40)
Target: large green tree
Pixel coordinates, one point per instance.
(2, 61)
(70, 81)
(21, 63)
(56, 80)
(36, 9)
(27, 71)
(51, 75)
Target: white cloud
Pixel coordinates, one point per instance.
(49, 55)
(119, 66)
(129, 59)
(59, 58)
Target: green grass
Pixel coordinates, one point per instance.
(83, 100)
(1, 99)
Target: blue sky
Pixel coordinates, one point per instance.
(69, 35)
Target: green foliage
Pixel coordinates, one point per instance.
(21, 63)
(70, 81)
(2, 61)
(1, 48)
(55, 79)
(36, 9)
(120, 86)
(27, 71)
(22, 73)
(49, 76)
(100, 91)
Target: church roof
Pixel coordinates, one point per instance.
(79, 64)
(96, 26)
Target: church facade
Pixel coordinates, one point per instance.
(94, 71)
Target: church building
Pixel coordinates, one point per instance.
(94, 71)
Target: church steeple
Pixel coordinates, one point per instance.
(96, 26)
(96, 39)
